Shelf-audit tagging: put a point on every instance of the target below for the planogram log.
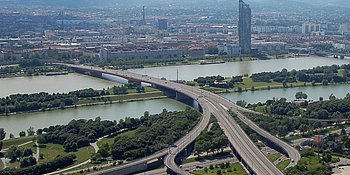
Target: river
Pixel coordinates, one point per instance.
(15, 124)
(191, 72)
(21, 122)
(314, 93)
(51, 84)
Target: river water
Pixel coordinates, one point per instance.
(191, 72)
(15, 124)
(51, 84)
(21, 122)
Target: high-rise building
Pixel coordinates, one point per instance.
(308, 28)
(162, 24)
(143, 15)
(244, 27)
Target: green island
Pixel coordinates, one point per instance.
(322, 75)
(31, 67)
(43, 101)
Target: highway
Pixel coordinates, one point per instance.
(219, 107)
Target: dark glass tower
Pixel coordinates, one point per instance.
(244, 27)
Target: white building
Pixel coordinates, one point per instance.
(106, 53)
(308, 28)
(229, 49)
(271, 47)
(343, 28)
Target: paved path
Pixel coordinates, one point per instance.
(96, 148)
(37, 155)
(23, 144)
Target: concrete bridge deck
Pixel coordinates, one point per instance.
(214, 104)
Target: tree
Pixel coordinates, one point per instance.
(300, 95)
(30, 131)
(12, 153)
(22, 134)
(146, 114)
(27, 161)
(12, 136)
(241, 103)
(104, 151)
(239, 89)
(26, 152)
(1, 145)
(2, 134)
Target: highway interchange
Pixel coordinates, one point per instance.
(212, 104)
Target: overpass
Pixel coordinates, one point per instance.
(211, 103)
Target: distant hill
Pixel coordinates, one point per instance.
(278, 4)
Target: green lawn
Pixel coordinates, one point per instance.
(13, 165)
(312, 163)
(341, 73)
(16, 141)
(235, 169)
(273, 157)
(248, 83)
(110, 140)
(190, 160)
(263, 109)
(293, 138)
(283, 165)
(1, 165)
(51, 151)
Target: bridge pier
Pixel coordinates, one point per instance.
(239, 158)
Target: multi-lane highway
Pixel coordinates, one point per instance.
(219, 107)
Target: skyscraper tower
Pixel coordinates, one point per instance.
(244, 27)
(143, 15)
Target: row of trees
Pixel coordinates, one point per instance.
(281, 126)
(324, 74)
(212, 140)
(43, 100)
(333, 108)
(218, 81)
(57, 163)
(77, 133)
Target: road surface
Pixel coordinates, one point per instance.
(219, 107)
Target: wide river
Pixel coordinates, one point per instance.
(15, 124)
(191, 72)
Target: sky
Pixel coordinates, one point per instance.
(184, 3)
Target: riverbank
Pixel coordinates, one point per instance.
(218, 60)
(47, 70)
(112, 99)
(248, 85)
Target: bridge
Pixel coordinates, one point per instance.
(211, 104)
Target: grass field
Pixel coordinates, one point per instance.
(235, 169)
(1, 165)
(273, 157)
(283, 165)
(248, 85)
(110, 140)
(16, 141)
(51, 151)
